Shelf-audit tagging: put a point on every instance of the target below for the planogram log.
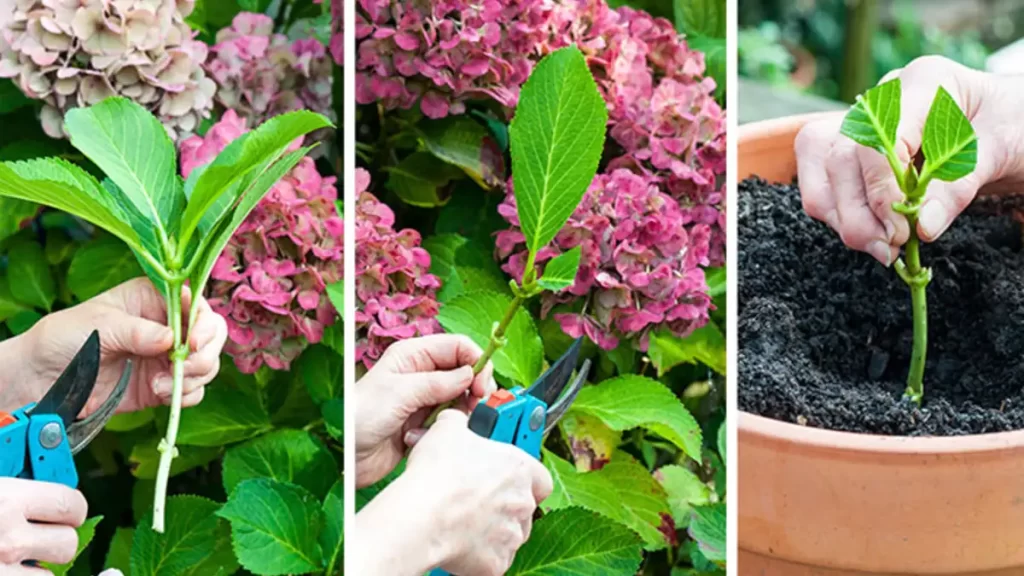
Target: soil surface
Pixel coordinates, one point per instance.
(825, 332)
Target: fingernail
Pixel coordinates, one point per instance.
(890, 231)
(412, 437)
(933, 219)
(163, 385)
(881, 251)
(832, 219)
(491, 387)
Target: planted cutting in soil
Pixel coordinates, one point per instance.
(826, 333)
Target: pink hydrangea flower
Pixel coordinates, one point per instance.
(395, 293)
(640, 264)
(260, 74)
(270, 282)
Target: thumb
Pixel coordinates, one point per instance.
(451, 417)
(427, 389)
(137, 336)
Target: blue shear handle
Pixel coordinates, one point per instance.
(44, 439)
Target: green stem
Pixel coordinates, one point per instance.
(166, 448)
(918, 299)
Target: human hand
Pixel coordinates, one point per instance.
(852, 188)
(131, 319)
(475, 515)
(39, 521)
(399, 392)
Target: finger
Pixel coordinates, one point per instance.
(434, 388)
(882, 190)
(858, 226)
(483, 383)
(944, 201)
(137, 297)
(210, 330)
(203, 364)
(452, 418)
(541, 482)
(527, 526)
(50, 543)
(812, 146)
(137, 336)
(192, 398)
(412, 437)
(435, 352)
(54, 504)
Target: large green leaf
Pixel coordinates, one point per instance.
(214, 189)
(557, 139)
(707, 527)
(195, 542)
(623, 490)
(591, 441)
(133, 149)
(715, 60)
(632, 401)
(705, 344)
(874, 119)
(475, 313)
(332, 539)
(575, 541)
(9, 307)
(701, 17)
(218, 237)
(322, 370)
(13, 214)
(293, 456)
(100, 265)
(85, 532)
(225, 416)
(419, 178)
(462, 266)
(62, 185)
(275, 527)
(560, 273)
(685, 490)
(461, 141)
(31, 280)
(949, 143)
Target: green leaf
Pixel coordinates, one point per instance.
(705, 344)
(560, 273)
(239, 169)
(334, 417)
(949, 143)
(62, 185)
(120, 551)
(11, 98)
(462, 266)
(59, 247)
(685, 490)
(336, 294)
(332, 539)
(874, 119)
(21, 322)
(100, 265)
(472, 214)
(462, 142)
(701, 17)
(475, 313)
(707, 527)
(129, 420)
(716, 281)
(293, 456)
(633, 401)
(591, 442)
(323, 372)
(419, 178)
(145, 458)
(574, 541)
(217, 238)
(195, 542)
(31, 281)
(133, 149)
(274, 527)
(14, 214)
(722, 442)
(557, 139)
(85, 532)
(9, 307)
(223, 417)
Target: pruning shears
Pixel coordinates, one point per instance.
(38, 441)
(522, 417)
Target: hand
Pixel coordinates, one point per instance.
(399, 392)
(852, 188)
(469, 503)
(132, 321)
(39, 521)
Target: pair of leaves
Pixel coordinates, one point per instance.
(948, 141)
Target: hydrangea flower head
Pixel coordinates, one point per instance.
(71, 53)
(395, 293)
(270, 282)
(260, 74)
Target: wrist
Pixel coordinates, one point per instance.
(395, 533)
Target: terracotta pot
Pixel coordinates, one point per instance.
(816, 502)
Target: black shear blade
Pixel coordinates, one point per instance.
(552, 382)
(558, 409)
(71, 391)
(82, 432)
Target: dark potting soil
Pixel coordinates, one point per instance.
(825, 332)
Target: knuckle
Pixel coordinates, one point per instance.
(65, 553)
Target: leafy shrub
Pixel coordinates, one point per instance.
(624, 257)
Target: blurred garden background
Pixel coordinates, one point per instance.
(798, 56)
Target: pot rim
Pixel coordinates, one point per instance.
(812, 438)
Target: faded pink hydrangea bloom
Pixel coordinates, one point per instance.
(71, 53)
(260, 74)
(270, 282)
(640, 264)
(439, 53)
(395, 293)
